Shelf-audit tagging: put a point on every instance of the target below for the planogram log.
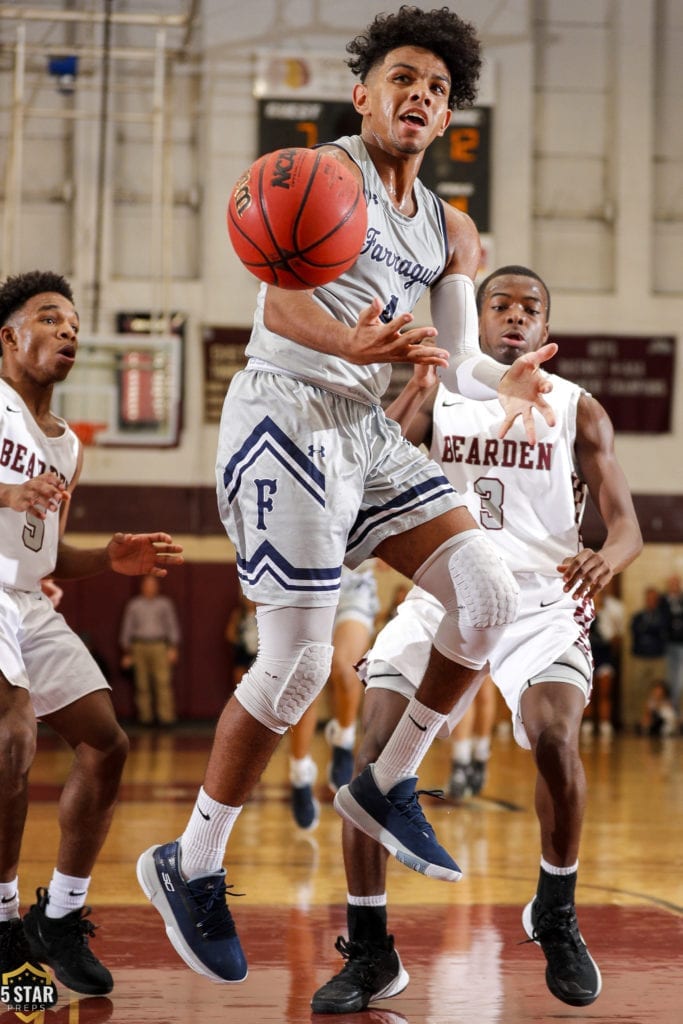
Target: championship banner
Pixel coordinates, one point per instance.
(630, 375)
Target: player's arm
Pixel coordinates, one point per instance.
(297, 316)
(413, 406)
(519, 388)
(127, 553)
(589, 571)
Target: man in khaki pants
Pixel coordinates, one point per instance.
(150, 635)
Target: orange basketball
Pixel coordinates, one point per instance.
(297, 218)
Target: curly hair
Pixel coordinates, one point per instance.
(516, 271)
(17, 290)
(440, 31)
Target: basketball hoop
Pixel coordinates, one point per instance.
(87, 431)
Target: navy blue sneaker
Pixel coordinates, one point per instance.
(305, 807)
(340, 768)
(198, 922)
(571, 974)
(396, 821)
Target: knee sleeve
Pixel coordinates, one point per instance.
(468, 576)
(276, 693)
(292, 665)
(463, 643)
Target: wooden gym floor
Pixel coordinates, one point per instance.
(462, 944)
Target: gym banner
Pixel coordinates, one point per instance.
(630, 375)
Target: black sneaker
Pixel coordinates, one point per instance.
(62, 943)
(571, 975)
(372, 971)
(476, 777)
(14, 947)
(459, 781)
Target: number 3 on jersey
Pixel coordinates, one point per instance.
(491, 492)
(33, 533)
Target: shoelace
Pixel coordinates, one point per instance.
(361, 958)
(77, 932)
(215, 917)
(559, 929)
(412, 810)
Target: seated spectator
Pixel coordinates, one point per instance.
(671, 604)
(659, 717)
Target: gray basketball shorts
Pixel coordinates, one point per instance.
(308, 479)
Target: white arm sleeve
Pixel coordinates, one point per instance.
(454, 314)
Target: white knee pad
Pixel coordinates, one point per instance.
(486, 592)
(276, 693)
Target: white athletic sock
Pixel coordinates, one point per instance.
(342, 735)
(461, 751)
(408, 744)
(9, 900)
(65, 893)
(206, 835)
(302, 771)
(367, 901)
(481, 748)
(553, 870)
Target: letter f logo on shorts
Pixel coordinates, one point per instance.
(263, 503)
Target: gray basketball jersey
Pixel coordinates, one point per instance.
(528, 499)
(28, 545)
(400, 258)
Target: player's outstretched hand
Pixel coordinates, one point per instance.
(143, 554)
(521, 391)
(372, 341)
(39, 495)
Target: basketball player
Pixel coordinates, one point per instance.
(46, 671)
(529, 501)
(312, 475)
(354, 629)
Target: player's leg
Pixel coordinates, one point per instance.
(142, 683)
(451, 559)
(552, 713)
(288, 673)
(482, 731)
(58, 925)
(372, 967)
(352, 638)
(461, 756)
(17, 750)
(303, 770)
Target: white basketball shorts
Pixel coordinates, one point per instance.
(548, 624)
(42, 654)
(308, 479)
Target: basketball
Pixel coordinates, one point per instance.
(297, 218)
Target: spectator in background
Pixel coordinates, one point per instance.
(648, 641)
(671, 605)
(242, 632)
(606, 634)
(150, 635)
(659, 717)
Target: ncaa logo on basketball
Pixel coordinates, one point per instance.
(282, 171)
(28, 991)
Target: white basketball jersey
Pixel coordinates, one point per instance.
(401, 257)
(528, 499)
(28, 545)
